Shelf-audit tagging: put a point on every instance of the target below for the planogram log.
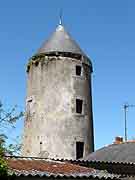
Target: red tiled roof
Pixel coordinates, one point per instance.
(47, 166)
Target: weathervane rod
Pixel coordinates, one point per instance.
(60, 17)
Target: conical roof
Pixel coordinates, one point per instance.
(60, 41)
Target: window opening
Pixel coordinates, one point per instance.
(79, 104)
(78, 70)
(36, 63)
(30, 100)
(40, 147)
(79, 149)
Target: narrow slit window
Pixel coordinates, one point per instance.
(79, 104)
(78, 70)
(79, 149)
(41, 147)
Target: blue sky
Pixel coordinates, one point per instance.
(105, 30)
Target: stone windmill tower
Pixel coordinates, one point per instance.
(59, 120)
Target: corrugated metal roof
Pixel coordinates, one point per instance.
(122, 153)
(51, 168)
(60, 41)
(47, 166)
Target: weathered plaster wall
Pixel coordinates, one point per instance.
(51, 116)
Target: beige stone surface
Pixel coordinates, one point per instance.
(51, 118)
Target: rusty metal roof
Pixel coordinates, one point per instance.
(47, 166)
(60, 41)
(52, 168)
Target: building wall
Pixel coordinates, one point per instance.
(52, 126)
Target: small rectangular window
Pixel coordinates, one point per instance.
(78, 70)
(79, 104)
(79, 149)
(41, 147)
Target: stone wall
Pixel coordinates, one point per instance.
(52, 126)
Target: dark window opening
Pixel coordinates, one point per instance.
(29, 100)
(65, 54)
(28, 68)
(79, 149)
(40, 147)
(78, 70)
(79, 104)
(36, 63)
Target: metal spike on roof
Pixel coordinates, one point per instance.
(60, 41)
(60, 19)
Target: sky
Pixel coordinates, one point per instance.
(105, 30)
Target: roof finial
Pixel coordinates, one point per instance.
(60, 17)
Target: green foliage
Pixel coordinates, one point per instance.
(3, 164)
(13, 148)
(3, 167)
(8, 119)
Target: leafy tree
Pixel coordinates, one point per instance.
(8, 119)
(3, 165)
